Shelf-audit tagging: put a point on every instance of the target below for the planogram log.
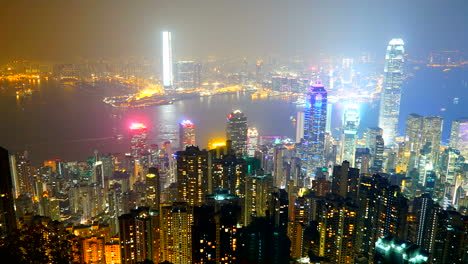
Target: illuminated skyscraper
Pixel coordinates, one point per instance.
(459, 136)
(236, 131)
(186, 133)
(349, 136)
(139, 134)
(176, 233)
(167, 60)
(192, 175)
(391, 90)
(315, 118)
(252, 141)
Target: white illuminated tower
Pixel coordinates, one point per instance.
(349, 135)
(167, 60)
(391, 90)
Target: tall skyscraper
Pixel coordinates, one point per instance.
(139, 134)
(153, 189)
(192, 175)
(236, 131)
(315, 119)
(186, 134)
(459, 136)
(168, 78)
(391, 90)
(176, 233)
(349, 136)
(7, 209)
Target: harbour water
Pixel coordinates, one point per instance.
(68, 122)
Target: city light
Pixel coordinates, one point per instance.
(137, 126)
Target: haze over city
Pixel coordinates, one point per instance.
(219, 132)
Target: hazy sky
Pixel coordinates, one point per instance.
(66, 29)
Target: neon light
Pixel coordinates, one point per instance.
(136, 126)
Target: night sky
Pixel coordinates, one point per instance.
(67, 30)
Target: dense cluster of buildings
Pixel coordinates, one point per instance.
(250, 199)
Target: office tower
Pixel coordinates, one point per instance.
(167, 68)
(192, 175)
(236, 131)
(345, 181)
(186, 134)
(257, 192)
(337, 227)
(7, 207)
(215, 229)
(176, 233)
(252, 141)
(391, 90)
(187, 75)
(153, 189)
(390, 250)
(263, 242)
(451, 164)
(138, 143)
(349, 135)
(459, 136)
(278, 166)
(299, 126)
(377, 164)
(431, 134)
(315, 117)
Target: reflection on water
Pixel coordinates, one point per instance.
(71, 122)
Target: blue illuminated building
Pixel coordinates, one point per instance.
(315, 121)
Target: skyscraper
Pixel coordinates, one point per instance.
(139, 134)
(391, 90)
(315, 119)
(252, 141)
(7, 210)
(186, 133)
(349, 135)
(176, 233)
(167, 60)
(153, 189)
(459, 136)
(187, 74)
(299, 126)
(192, 175)
(236, 131)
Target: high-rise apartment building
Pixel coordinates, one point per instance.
(176, 233)
(391, 90)
(192, 175)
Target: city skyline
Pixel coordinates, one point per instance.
(220, 132)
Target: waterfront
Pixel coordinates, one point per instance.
(70, 123)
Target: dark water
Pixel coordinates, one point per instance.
(71, 122)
